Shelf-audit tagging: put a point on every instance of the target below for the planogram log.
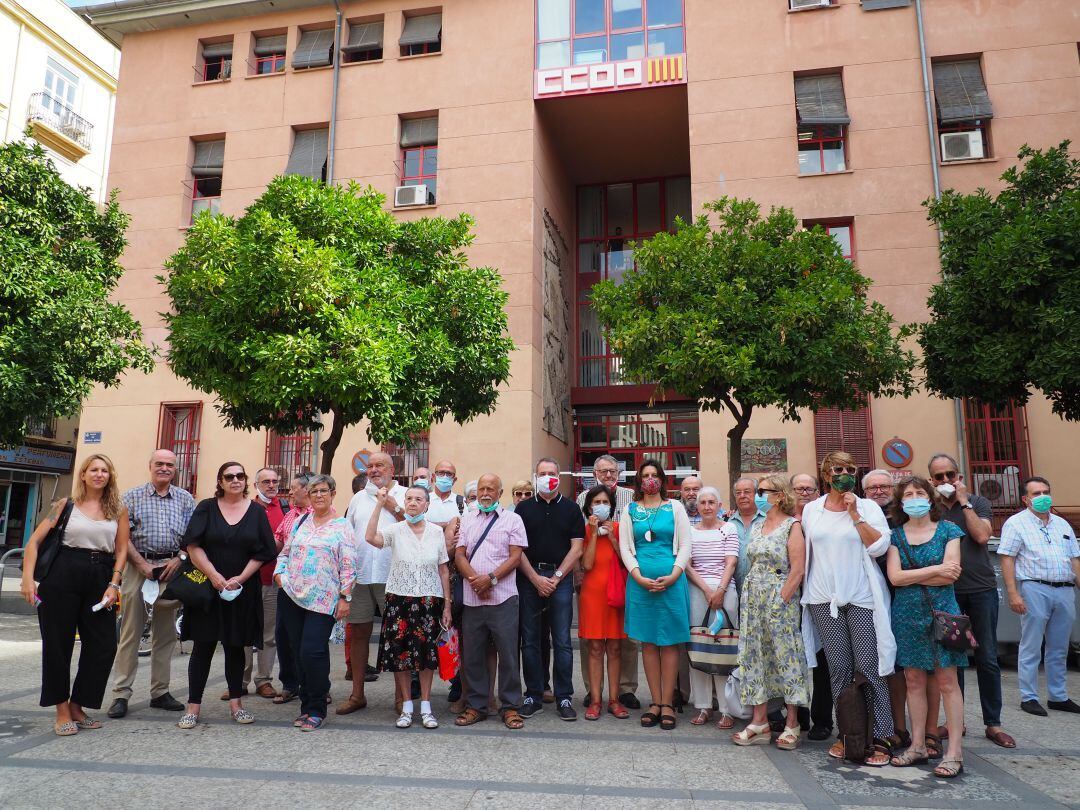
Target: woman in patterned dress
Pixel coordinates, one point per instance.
(771, 653)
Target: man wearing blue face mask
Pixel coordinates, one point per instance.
(1040, 563)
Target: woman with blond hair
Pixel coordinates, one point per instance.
(78, 593)
(845, 601)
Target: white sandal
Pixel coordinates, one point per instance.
(405, 721)
(789, 738)
(753, 735)
(429, 721)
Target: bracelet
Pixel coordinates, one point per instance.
(114, 585)
(118, 571)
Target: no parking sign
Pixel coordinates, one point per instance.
(897, 453)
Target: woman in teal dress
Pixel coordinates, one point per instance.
(654, 541)
(923, 563)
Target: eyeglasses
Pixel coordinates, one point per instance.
(805, 490)
(949, 475)
(318, 493)
(606, 471)
(234, 477)
(273, 481)
(878, 488)
(763, 491)
(840, 470)
(521, 493)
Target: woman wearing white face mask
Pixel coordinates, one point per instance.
(417, 598)
(600, 622)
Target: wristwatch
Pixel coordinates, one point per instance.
(860, 520)
(347, 596)
(558, 574)
(967, 505)
(183, 556)
(494, 580)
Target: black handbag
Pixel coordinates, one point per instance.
(191, 587)
(49, 547)
(952, 631)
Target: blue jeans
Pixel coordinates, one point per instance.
(982, 608)
(559, 608)
(309, 637)
(1050, 613)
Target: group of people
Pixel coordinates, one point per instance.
(823, 589)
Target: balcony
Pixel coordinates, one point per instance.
(59, 127)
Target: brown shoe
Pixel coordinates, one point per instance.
(351, 704)
(549, 696)
(267, 691)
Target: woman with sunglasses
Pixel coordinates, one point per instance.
(228, 541)
(521, 491)
(845, 600)
(771, 654)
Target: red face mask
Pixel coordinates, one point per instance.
(650, 486)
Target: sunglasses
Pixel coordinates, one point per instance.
(763, 491)
(838, 470)
(234, 477)
(951, 475)
(523, 493)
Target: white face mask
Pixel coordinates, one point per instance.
(946, 490)
(546, 484)
(262, 497)
(150, 591)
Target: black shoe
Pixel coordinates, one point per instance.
(529, 707)
(1063, 706)
(776, 721)
(118, 708)
(819, 733)
(804, 718)
(414, 688)
(629, 700)
(1033, 707)
(566, 710)
(371, 677)
(166, 702)
(585, 701)
(455, 691)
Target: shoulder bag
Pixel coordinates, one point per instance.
(952, 631)
(49, 547)
(191, 587)
(714, 654)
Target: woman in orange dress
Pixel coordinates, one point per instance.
(598, 622)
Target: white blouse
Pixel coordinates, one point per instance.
(414, 561)
(836, 575)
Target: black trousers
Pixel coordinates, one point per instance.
(202, 655)
(75, 584)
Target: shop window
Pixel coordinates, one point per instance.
(822, 119)
(963, 110)
(590, 31)
(179, 425)
(421, 34)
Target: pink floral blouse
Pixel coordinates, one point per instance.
(317, 564)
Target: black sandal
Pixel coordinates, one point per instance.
(667, 721)
(933, 746)
(650, 718)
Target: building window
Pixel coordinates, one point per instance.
(998, 454)
(848, 430)
(61, 87)
(963, 110)
(315, 49)
(421, 34)
(178, 431)
(215, 61)
(589, 31)
(609, 218)
(842, 231)
(309, 153)
(822, 118)
(269, 54)
(206, 172)
(801, 5)
(41, 428)
(289, 456)
(420, 154)
(365, 42)
(409, 457)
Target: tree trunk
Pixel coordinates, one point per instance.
(735, 437)
(330, 444)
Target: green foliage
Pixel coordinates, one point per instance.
(756, 312)
(59, 334)
(1005, 318)
(318, 300)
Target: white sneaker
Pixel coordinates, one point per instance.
(429, 720)
(404, 721)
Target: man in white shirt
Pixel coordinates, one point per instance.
(445, 503)
(372, 567)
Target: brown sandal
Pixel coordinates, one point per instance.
(511, 719)
(1001, 738)
(471, 716)
(879, 749)
(68, 729)
(701, 718)
(933, 746)
(349, 705)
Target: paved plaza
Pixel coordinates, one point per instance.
(145, 761)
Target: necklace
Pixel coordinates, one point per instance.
(650, 515)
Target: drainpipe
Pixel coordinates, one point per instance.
(334, 96)
(958, 405)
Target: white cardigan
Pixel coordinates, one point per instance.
(886, 642)
(680, 545)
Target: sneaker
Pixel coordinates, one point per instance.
(312, 723)
(566, 710)
(405, 720)
(529, 707)
(428, 720)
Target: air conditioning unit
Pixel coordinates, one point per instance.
(962, 145)
(410, 195)
(799, 4)
(1002, 489)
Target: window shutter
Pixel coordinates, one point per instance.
(820, 100)
(314, 49)
(419, 132)
(960, 91)
(209, 159)
(421, 30)
(217, 50)
(878, 5)
(266, 46)
(309, 153)
(846, 430)
(364, 37)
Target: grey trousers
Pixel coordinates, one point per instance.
(499, 623)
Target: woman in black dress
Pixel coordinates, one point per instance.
(228, 541)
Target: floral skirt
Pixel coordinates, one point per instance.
(410, 630)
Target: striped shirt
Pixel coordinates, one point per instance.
(1042, 550)
(288, 523)
(158, 522)
(710, 548)
(507, 531)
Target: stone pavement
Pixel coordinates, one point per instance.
(144, 761)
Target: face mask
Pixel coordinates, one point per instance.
(602, 511)
(422, 482)
(916, 507)
(650, 486)
(150, 591)
(228, 596)
(371, 489)
(1042, 503)
(762, 503)
(472, 507)
(546, 484)
(444, 483)
(487, 509)
(946, 490)
(261, 497)
(414, 519)
(844, 482)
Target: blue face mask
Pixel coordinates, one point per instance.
(916, 507)
(602, 511)
(444, 483)
(415, 518)
(228, 596)
(490, 508)
(1042, 503)
(422, 482)
(762, 503)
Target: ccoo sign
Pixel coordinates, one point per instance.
(608, 76)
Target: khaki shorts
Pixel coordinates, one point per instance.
(364, 600)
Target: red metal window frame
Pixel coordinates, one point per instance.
(183, 441)
(832, 225)
(607, 32)
(851, 431)
(421, 48)
(418, 179)
(195, 196)
(980, 125)
(820, 140)
(219, 63)
(409, 457)
(289, 455)
(276, 61)
(997, 440)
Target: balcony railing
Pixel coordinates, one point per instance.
(52, 112)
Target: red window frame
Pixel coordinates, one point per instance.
(219, 63)
(409, 457)
(214, 200)
(998, 452)
(421, 48)
(819, 139)
(276, 61)
(607, 32)
(849, 430)
(289, 455)
(419, 179)
(831, 226)
(179, 429)
(980, 125)
(364, 56)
